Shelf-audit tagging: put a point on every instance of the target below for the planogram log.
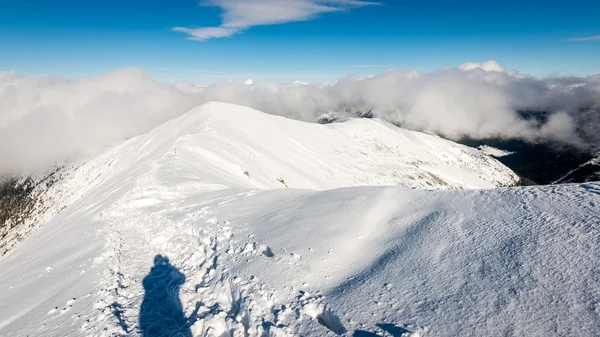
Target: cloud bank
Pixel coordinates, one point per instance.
(478, 100)
(44, 120)
(240, 15)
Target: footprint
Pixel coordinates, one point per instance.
(268, 252)
(331, 321)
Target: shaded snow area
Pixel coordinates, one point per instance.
(190, 230)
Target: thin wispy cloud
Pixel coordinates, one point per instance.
(587, 38)
(240, 15)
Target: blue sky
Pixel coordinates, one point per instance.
(286, 40)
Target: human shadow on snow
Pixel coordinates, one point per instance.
(161, 313)
(394, 330)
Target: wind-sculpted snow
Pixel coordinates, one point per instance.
(164, 236)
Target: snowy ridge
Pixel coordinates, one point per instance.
(190, 230)
(221, 146)
(226, 145)
(589, 170)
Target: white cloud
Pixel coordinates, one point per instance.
(44, 120)
(587, 38)
(490, 65)
(239, 15)
(201, 34)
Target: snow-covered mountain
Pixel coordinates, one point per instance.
(218, 146)
(190, 230)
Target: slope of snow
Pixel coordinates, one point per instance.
(221, 146)
(354, 261)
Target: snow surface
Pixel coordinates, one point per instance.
(493, 151)
(190, 231)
